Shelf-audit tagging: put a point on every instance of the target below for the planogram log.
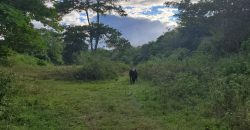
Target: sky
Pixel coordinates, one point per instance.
(146, 20)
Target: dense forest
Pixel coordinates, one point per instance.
(195, 76)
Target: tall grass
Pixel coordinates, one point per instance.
(214, 88)
(22, 60)
(6, 85)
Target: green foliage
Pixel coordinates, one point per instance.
(179, 54)
(125, 56)
(19, 35)
(196, 79)
(245, 47)
(75, 39)
(113, 38)
(23, 60)
(97, 71)
(55, 53)
(95, 31)
(98, 67)
(6, 83)
(4, 53)
(54, 46)
(36, 9)
(203, 18)
(198, 65)
(101, 6)
(202, 80)
(235, 68)
(42, 103)
(231, 92)
(87, 56)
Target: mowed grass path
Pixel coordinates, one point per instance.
(101, 105)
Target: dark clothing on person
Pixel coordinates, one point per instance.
(133, 76)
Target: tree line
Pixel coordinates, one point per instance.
(218, 27)
(67, 41)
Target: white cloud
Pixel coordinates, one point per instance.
(39, 25)
(154, 18)
(73, 18)
(49, 4)
(146, 2)
(1, 37)
(134, 9)
(137, 9)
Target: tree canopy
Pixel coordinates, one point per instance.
(228, 18)
(96, 32)
(19, 34)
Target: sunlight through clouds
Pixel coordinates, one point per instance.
(153, 10)
(148, 17)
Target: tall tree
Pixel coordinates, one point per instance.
(98, 7)
(75, 39)
(54, 45)
(230, 18)
(19, 34)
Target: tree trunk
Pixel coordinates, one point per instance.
(91, 43)
(87, 13)
(98, 22)
(90, 25)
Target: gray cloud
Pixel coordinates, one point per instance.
(137, 31)
(37, 24)
(139, 27)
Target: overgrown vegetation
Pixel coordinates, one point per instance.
(100, 70)
(195, 76)
(203, 65)
(218, 89)
(6, 86)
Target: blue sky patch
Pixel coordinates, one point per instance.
(154, 10)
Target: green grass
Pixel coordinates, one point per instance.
(52, 103)
(57, 104)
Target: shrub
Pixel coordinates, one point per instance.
(85, 56)
(22, 59)
(4, 52)
(120, 67)
(97, 70)
(6, 81)
(245, 46)
(221, 85)
(179, 54)
(41, 62)
(5, 84)
(97, 66)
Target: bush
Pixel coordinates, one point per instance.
(5, 84)
(120, 67)
(98, 66)
(20, 60)
(245, 46)
(179, 54)
(41, 62)
(97, 70)
(6, 81)
(87, 56)
(221, 85)
(4, 51)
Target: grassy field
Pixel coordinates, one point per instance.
(44, 103)
(50, 103)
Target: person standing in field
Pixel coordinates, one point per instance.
(133, 75)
